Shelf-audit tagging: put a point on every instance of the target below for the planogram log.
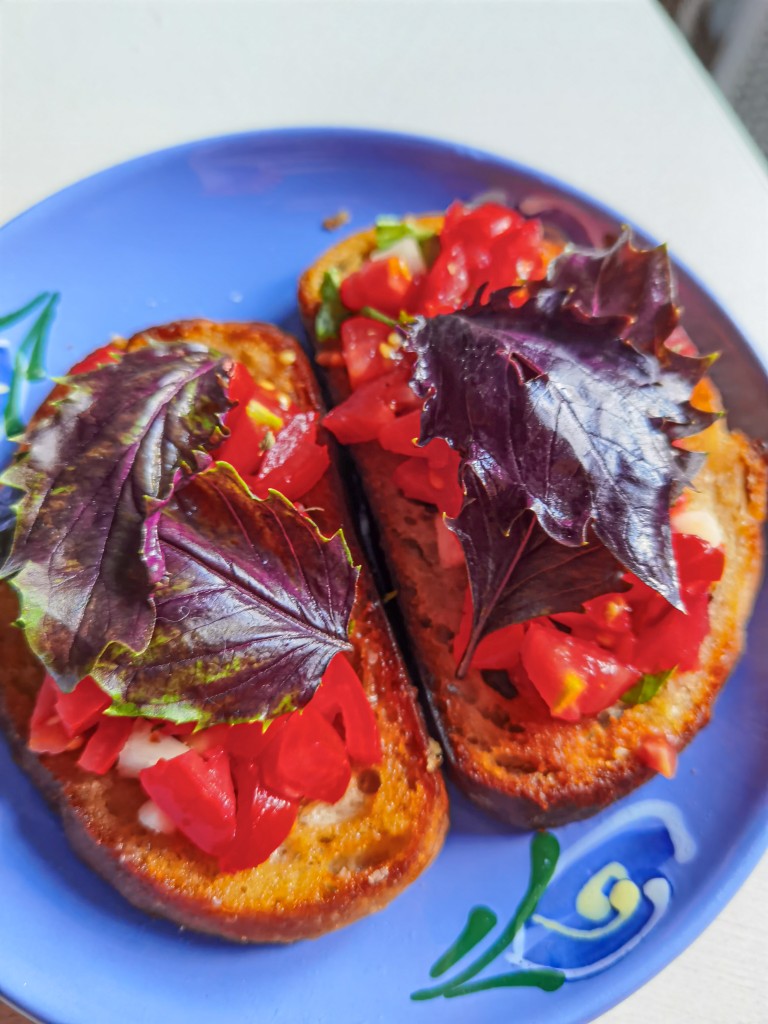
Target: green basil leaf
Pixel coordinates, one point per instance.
(332, 312)
(390, 230)
(646, 687)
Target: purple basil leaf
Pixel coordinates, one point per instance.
(552, 411)
(635, 284)
(95, 470)
(255, 604)
(522, 573)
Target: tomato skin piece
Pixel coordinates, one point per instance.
(243, 449)
(361, 341)
(361, 416)
(47, 734)
(399, 436)
(384, 284)
(305, 758)
(264, 820)
(100, 357)
(450, 553)
(700, 564)
(83, 707)
(575, 677)
(341, 694)
(296, 461)
(198, 796)
(658, 754)
(103, 747)
(434, 484)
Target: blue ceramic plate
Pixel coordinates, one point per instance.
(222, 229)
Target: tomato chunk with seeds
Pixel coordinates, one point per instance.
(296, 461)
(575, 677)
(197, 795)
(362, 340)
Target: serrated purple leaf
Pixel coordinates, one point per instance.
(554, 413)
(255, 605)
(633, 283)
(95, 470)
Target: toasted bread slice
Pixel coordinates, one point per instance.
(339, 862)
(508, 753)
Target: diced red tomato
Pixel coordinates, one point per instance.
(296, 461)
(501, 649)
(179, 729)
(680, 341)
(305, 758)
(437, 485)
(400, 435)
(450, 553)
(241, 386)
(607, 621)
(375, 403)
(256, 414)
(248, 739)
(361, 343)
(103, 747)
(83, 707)
(264, 821)
(447, 283)
(197, 795)
(675, 638)
(699, 563)
(575, 677)
(102, 356)
(341, 696)
(659, 754)
(385, 285)
(47, 734)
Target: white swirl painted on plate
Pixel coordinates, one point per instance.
(623, 898)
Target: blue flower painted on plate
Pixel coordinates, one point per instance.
(582, 912)
(609, 891)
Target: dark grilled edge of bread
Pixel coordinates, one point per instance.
(509, 754)
(339, 863)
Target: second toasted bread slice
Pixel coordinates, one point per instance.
(507, 752)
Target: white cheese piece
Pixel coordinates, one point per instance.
(145, 748)
(152, 818)
(700, 523)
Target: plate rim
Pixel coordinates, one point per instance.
(721, 886)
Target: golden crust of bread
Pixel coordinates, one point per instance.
(509, 754)
(339, 863)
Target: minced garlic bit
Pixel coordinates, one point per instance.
(287, 358)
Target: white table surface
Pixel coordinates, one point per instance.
(601, 93)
